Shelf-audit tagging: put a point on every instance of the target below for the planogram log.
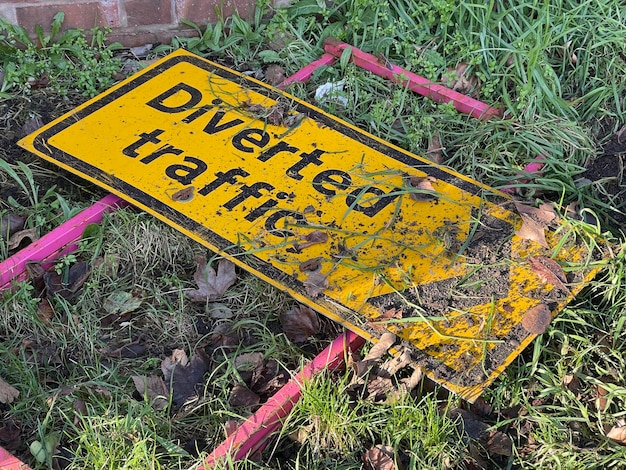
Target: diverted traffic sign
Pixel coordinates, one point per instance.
(366, 233)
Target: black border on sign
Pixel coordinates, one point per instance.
(42, 144)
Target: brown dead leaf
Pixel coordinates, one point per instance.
(183, 374)
(10, 434)
(601, 400)
(379, 457)
(127, 351)
(549, 271)
(243, 396)
(184, 195)
(617, 434)
(537, 319)
(230, 427)
(247, 361)
(312, 238)
(153, 388)
(532, 230)
(544, 214)
(457, 79)
(310, 265)
(381, 347)
(435, 149)
(45, 312)
(7, 392)
(11, 223)
(299, 323)
(315, 284)
(212, 285)
(425, 191)
(275, 74)
(16, 239)
(56, 284)
(498, 443)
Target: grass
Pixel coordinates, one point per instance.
(557, 71)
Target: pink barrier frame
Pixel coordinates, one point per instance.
(251, 436)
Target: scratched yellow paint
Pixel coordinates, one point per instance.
(256, 175)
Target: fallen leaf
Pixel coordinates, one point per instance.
(11, 223)
(120, 303)
(8, 393)
(601, 400)
(310, 265)
(315, 284)
(537, 319)
(617, 434)
(247, 361)
(379, 457)
(456, 78)
(532, 230)
(219, 311)
(242, 396)
(80, 407)
(425, 191)
(45, 312)
(299, 323)
(183, 374)
(549, 271)
(127, 351)
(76, 277)
(10, 434)
(275, 74)
(212, 285)
(153, 388)
(468, 423)
(17, 237)
(310, 239)
(498, 443)
(381, 347)
(184, 195)
(435, 149)
(230, 427)
(544, 214)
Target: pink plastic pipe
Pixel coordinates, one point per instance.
(414, 82)
(56, 243)
(305, 73)
(252, 435)
(9, 462)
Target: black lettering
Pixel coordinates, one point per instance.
(261, 210)
(305, 160)
(213, 126)
(158, 103)
(272, 221)
(247, 192)
(222, 178)
(166, 149)
(202, 110)
(326, 177)
(151, 138)
(281, 146)
(381, 199)
(247, 136)
(186, 174)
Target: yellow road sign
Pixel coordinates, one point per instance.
(366, 233)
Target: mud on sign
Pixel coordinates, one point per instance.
(366, 233)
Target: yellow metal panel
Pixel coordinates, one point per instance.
(366, 233)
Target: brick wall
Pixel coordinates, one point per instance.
(134, 22)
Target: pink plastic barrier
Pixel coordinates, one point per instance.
(56, 243)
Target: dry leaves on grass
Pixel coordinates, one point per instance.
(435, 149)
(423, 188)
(16, 239)
(299, 323)
(67, 283)
(459, 80)
(153, 388)
(618, 433)
(11, 223)
(380, 457)
(212, 285)
(8, 393)
(183, 374)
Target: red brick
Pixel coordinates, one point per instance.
(144, 12)
(203, 11)
(131, 37)
(77, 15)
